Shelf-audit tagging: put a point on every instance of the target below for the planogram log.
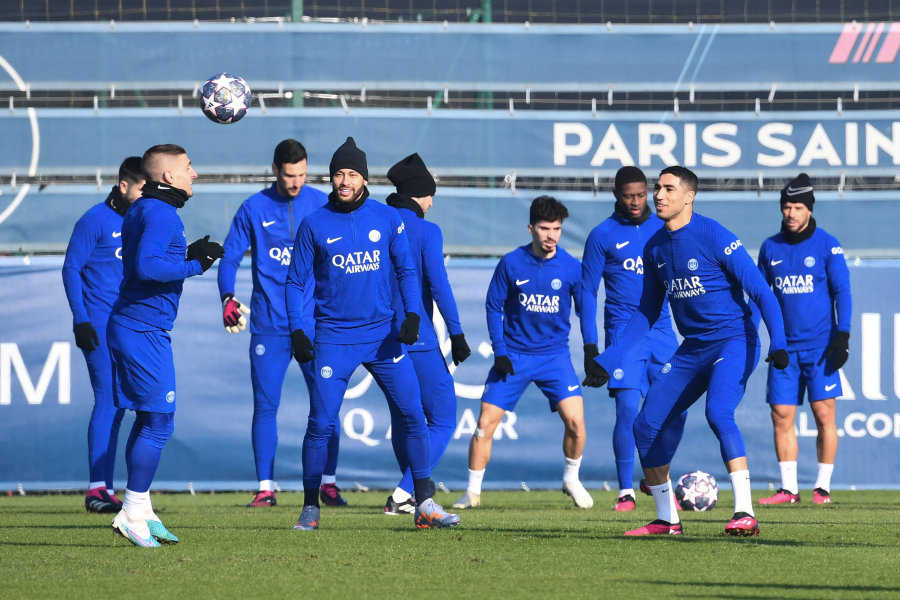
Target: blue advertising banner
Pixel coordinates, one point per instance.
(45, 400)
(497, 57)
(466, 142)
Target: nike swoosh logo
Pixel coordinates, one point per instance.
(828, 388)
(267, 223)
(622, 245)
(665, 491)
(572, 388)
(795, 191)
(163, 187)
(117, 234)
(718, 360)
(333, 240)
(397, 359)
(776, 262)
(522, 282)
(660, 265)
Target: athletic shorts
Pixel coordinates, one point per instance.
(552, 373)
(143, 368)
(639, 366)
(807, 372)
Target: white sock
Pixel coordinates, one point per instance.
(823, 477)
(267, 485)
(570, 472)
(626, 492)
(665, 502)
(329, 479)
(789, 475)
(137, 504)
(96, 484)
(476, 476)
(400, 495)
(740, 483)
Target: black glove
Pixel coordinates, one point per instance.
(303, 348)
(459, 348)
(838, 351)
(205, 252)
(85, 336)
(590, 353)
(595, 375)
(409, 329)
(778, 358)
(503, 366)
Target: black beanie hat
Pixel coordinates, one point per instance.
(348, 156)
(800, 189)
(411, 177)
(629, 174)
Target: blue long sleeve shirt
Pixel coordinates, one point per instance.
(812, 284)
(154, 266)
(352, 257)
(705, 270)
(613, 252)
(529, 302)
(426, 246)
(92, 269)
(267, 223)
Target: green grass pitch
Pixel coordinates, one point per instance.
(517, 545)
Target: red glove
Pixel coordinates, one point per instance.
(231, 314)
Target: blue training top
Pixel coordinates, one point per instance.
(529, 302)
(614, 252)
(353, 257)
(267, 223)
(92, 270)
(426, 246)
(154, 266)
(705, 270)
(812, 282)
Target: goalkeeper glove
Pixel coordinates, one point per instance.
(231, 314)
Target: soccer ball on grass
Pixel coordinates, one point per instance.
(697, 491)
(225, 98)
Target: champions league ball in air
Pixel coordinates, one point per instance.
(697, 491)
(225, 98)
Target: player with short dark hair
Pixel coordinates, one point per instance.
(267, 223)
(413, 198)
(705, 271)
(353, 248)
(614, 252)
(92, 273)
(154, 268)
(806, 268)
(528, 305)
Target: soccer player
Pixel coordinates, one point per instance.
(528, 304)
(414, 196)
(91, 273)
(614, 252)
(266, 223)
(154, 270)
(705, 270)
(352, 248)
(806, 268)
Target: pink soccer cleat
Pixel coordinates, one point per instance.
(657, 527)
(742, 524)
(782, 496)
(820, 496)
(624, 503)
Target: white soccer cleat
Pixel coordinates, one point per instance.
(468, 500)
(135, 531)
(579, 495)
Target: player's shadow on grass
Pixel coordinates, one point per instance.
(765, 589)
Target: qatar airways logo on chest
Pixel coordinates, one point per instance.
(539, 303)
(635, 265)
(795, 284)
(357, 262)
(281, 255)
(685, 287)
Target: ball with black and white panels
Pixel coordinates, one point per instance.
(697, 491)
(225, 98)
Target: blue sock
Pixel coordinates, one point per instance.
(627, 403)
(148, 437)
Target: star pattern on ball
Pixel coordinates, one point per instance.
(225, 98)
